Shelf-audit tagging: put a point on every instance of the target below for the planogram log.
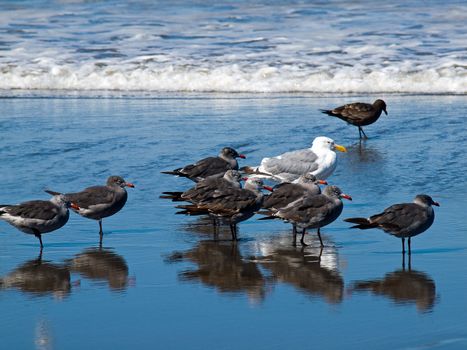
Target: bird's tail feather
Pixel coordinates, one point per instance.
(268, 218)
(361, 223)
(174, 196)
(174, 172)
(328, 112)
(191, 209)
(53, 193)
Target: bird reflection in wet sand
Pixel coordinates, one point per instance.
(221, 266)
(40, 278)
(361, 153)
(202, 226)
(312, 271)
(101, 264)
(403, 287)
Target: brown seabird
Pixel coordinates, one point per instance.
(204, 188)
(286, 193)
(232, 205)
(358, 113)
(37, 217)
(314, 211)
(226, 160)
(401, 220)
(98, 202)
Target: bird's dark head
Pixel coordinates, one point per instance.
(336, 192)
(118, 181)
(425, 200)
(229, 153)
(311, 179)
(381, 104)
(307, 179)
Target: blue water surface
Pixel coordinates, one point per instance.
(160, 281)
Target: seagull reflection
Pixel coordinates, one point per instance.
(403, 287)
(220, 265)
(203, 226)
(311, 270)
(101, 264)
(40, 278)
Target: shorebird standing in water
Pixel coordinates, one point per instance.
(98, 202)
(358, 113)
(319, 160)
(402, 220)
(226, 160)
(38, 217)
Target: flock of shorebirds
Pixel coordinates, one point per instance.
(218, 192)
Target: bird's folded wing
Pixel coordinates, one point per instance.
(206, 167)
(399, 216)
(42, 210)
(283, 194)
(297, 162)
(355, 110)
(231, 201)
(91, 196)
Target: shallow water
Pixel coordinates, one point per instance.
(160, 280)
(242, 46)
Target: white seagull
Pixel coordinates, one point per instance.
(319, 160)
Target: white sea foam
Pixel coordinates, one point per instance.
(234, 79)
(337, 47)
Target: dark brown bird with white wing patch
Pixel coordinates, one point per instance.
(358, 113)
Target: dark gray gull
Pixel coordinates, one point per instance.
(204, 188)
(286, 193)
(358, 113)
(203, 191)
(319, 160)
(233, 205)
(226, 160)
(38, 217)
(98, 202)
(403, 220)
(314, 211)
